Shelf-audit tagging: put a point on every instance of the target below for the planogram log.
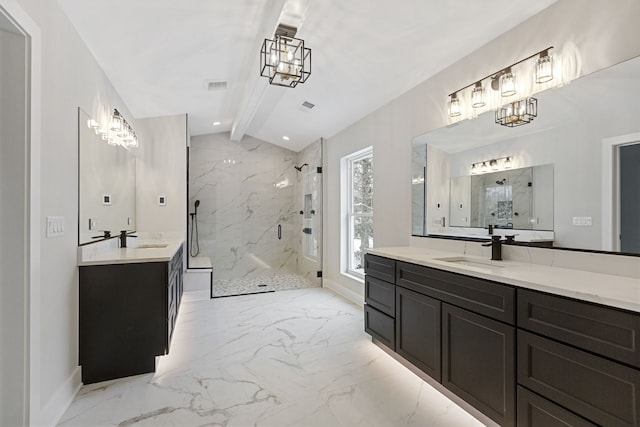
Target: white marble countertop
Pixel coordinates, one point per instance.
(138, 250)
(616, 291)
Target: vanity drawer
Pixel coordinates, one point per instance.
(536, 411)
(607, 331)
(380, 326)
(380, 267)
(380, 294)
(598, 389)
(481, 296)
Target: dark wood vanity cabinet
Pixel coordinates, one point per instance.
(380, 306)
(581, 356)
(126, 316)
(478, 362)
(418, 331)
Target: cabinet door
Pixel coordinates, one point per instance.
(380, 326)
(478, 362)
(536, 411)
(598, 389)
(418, 331)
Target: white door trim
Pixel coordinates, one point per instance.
(610, 225)
(32, 280)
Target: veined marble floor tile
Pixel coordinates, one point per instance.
(293, 358)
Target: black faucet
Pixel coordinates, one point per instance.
(490, 228)
(123, 238)
(496, 248)
(106, 235)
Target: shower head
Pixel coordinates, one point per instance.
(299, 168)
(196, 204)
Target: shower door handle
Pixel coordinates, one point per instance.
(279, 232)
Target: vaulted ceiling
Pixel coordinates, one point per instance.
(160, 55)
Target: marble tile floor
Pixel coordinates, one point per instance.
(267, 283)
(294, 358)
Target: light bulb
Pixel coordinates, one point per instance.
(484, 167)
(507, 163)
(474, 169)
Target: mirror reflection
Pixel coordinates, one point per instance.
(511, 199)
(107, 182)
(584, 133)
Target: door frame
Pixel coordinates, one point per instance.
(611, 189)
(32, 276)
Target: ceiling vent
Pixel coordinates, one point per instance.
(307, 104)
(215, 84)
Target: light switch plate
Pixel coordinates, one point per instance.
(55, 226)
(582, 221)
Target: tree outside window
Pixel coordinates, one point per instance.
(360, 210)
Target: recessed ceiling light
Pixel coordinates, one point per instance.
(216, 123)
(286, 138)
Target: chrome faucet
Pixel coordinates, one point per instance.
(123, 238)
(496, 248)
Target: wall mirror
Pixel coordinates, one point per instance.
(107, 185)
(578, 137)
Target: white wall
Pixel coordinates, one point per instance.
(70, 77)
(161, 169)
(596, 35)
(13, 226)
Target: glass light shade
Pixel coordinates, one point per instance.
(508, 84)
(116, 123)
(454, 106)
(92, 124)
(477, 96)
(474, 169)
(494, 165)
(544, 68)
(484, 167)
(507, 163)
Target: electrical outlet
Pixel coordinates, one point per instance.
(55, 226)
(582, 221)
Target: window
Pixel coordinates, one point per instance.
(359, 209)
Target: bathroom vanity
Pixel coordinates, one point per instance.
(524, 344)
(129, 300)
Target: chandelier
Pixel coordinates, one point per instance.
(284, 60)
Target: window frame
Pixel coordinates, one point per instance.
(350, 214)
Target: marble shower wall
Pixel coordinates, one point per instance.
(246, 190)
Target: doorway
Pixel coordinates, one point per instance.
(629, 197)
(14, 220)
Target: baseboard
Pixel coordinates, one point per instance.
(55, 407)
(343, 291)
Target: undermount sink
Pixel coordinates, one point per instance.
(471, 262)
(151, 246)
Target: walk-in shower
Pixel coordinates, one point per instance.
(263, 221)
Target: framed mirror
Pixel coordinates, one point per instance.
(586, 134)
(107, 185)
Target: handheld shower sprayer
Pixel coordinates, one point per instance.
(195, 205)
(194, 249)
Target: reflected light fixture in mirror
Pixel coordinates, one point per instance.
(454, 106)
(500, 163)
(517, 113)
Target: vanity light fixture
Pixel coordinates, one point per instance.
(454, 105)
(491, 165)
(517, 113)
(284, 60)
(544, 67)
(477, 96)
(505, 82)
(119, 132)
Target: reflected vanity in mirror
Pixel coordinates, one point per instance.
(565, 181)
(106, 184)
